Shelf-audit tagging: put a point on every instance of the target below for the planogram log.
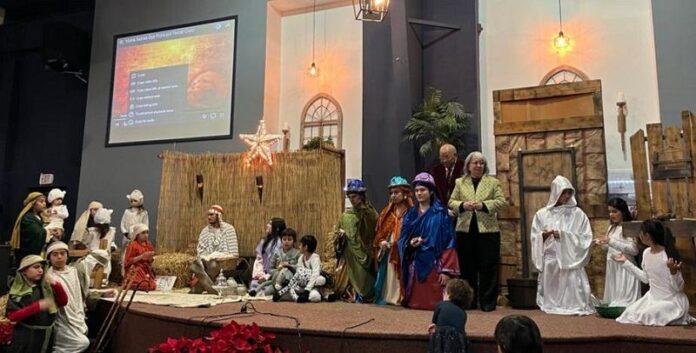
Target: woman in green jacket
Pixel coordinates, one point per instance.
(476, 199)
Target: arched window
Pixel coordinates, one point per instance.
(322, 117)
(563, 74)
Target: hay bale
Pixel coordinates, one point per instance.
(174, 264)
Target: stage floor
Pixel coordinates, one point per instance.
(366, 328)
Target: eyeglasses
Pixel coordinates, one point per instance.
(211, 214)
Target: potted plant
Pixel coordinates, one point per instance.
(316, 142)
(435, 123)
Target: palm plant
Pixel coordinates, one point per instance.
(435, 123)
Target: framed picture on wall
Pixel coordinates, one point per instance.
(173, 84)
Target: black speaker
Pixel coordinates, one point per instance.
(66, 48)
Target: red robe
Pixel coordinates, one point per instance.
(141, 270)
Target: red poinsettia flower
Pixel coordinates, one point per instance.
(231, 338)
(6, 328)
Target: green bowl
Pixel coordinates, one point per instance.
(610, 312)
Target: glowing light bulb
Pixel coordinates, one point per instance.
(313, 71)
(561, 42)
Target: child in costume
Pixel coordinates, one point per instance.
(139, 257)
(283, 264)
(303, 287)
(133, 215)
(57, 211)
(71, 326)
(33, 304)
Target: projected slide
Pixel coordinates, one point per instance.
(173, 84)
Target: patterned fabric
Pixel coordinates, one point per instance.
(488, 192)
(448, 340)
(221, 240)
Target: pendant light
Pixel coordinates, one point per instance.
(313, 70)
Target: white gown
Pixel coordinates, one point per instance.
(93, 242)
(563, 287)
(665, 303)
(621, 287)
(71, 327)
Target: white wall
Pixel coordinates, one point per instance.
(613, 42)
(271, 95)
(338, 55)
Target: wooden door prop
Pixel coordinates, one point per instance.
(663, 174)
(542, 166)
(543, 118)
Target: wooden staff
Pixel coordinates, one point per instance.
(111, 315)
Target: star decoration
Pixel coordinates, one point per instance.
(260, 144)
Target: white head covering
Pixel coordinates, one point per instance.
(136, 195)
(56, 245)
(559, 184)
(56, 194)
(101, 255)
(103, 216)
(137, 229)
(94, 204)
(30, 260)
(56, 223)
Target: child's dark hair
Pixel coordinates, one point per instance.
(518, 334)
(460, 293)
(310, 241)
(661, 235)
(289, 232)
(621, 205)
(277, 228)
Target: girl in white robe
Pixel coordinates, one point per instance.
(665, 303)
(560, 241)
(621, 287)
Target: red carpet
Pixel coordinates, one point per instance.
(325, 327)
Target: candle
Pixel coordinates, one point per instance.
(620, 98)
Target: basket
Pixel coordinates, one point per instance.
(610, 312)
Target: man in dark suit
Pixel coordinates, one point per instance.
(447, 171)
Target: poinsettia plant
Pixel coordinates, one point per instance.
(231, 338)
(5, 333)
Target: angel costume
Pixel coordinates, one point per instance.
(665, 303)
(563, 287)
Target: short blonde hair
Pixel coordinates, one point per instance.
(471, 157)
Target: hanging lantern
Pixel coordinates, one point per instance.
(370, 10)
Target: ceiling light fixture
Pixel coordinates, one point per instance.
(370, 10)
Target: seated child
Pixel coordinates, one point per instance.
(518, 334)
(33, 303)
(447, 330)
(138, 260)
(54, 232)
(665, 303)
(89, 264)
(283, 263)
(71, 326)
(307, 279)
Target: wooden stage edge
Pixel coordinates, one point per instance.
(367, 328)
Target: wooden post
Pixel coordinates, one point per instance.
(640, 175)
